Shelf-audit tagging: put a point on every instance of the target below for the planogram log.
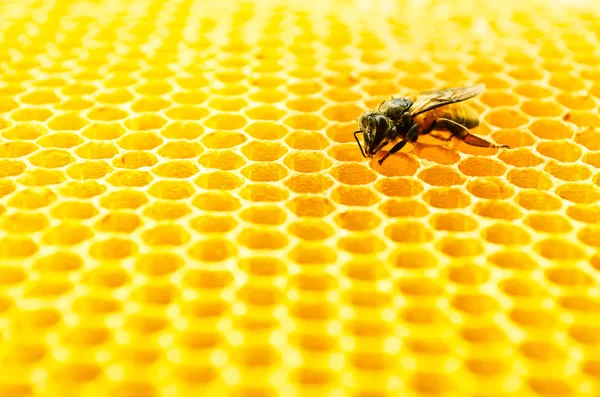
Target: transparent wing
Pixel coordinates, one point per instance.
(429, 100)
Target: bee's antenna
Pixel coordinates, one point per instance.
(357, 141)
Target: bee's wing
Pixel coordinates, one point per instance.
(429, 100)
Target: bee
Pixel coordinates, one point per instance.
(403, 120)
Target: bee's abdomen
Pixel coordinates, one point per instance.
(461, 113)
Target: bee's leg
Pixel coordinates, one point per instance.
(411, 136)
(462, 133)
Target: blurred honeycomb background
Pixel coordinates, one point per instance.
(183, 208)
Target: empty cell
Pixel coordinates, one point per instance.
(548, 223)
(548, 386)
(150, 104)
(514, 138)
(537, 200)
(342, 112)
(145, 122)
(460, 247)
(223, 139)
(190, 113)
(119, 221)
(89, 170)
(178, 150)
(499, 99)
(228, 104)
(506, 118)
(67, 122)
(260, 239)
(82, 190)
(175, 169)
(527, 73)
(267, 130)
(75, 104)
(566, 82)
(585, 334)
(431, 383)
(10, 168)
(533, 90)
(23, 222)
(353, 174)
(413, 258)
(305, 104)
(468, 274)
(408, 232)
(26, 131)
(264, 215)
(312, 254)
(453, 222)
(67, 233)
(342, 132)
(590, 138)
(532, 318)
(11, 275)
(112, 249)
(568, 277)
(345, 152)
(268, 96)
(113, 97)
(580, 193)
(171, 190)
(6, 188)
(541, 351)
(212, 250)
(106, 113)
(583, 119)
(97, 151)
(31, 114)
(354, 196)
(123, 199)
(592, 159)
(400, 164)
(40, 97)
(308, 183)
(363, 244)
(305, 87)
(419, 287)
(475, 304)
(497, 210)
(213, 224)
(565, 152)
(158, 263)
(438, 154)
(527, 178)
(151, 88)
(182, 130)
(41, 177)
(568, 172)
(225, 121)
(51, 158)
(591, 368)
(492, 81)
(306, 121)
(259, 296)
(306, 140)
(559, 249)
(590, 235)
(506, 234)
(69, 209)
(166, 234)
(7, 104)
(140, 141)
(312, 311)
(399, 187)
(357, 220)
(263, 151)
(60, 140)
(269, 172)
(576, 101)
(446, 198)
(16, 149)
(307, 161)
(481, 166)
(441, 176)
(32, 198)
(104, 131)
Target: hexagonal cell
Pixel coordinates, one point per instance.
(268, 96)
(305, 104)
(583, 119)
(542, 108)
(306, 140)
(533, 90)
(353, 174)
(559, 249)
(506, 118)
(563, 151)
(106, 113)
(266, 130)
(566, 82)
(576, 101)
(592, 159)
(114, 97)
(104, 131)
(88, 170)
(310, 206)
(149, 104)
(17, 149)
(26, 131)
(446, 198)
(453, 222)
(152, 88)
(265, 113)
(400, 164)
(528, 178)
(590, 138)
(223, 139)
(308, 183)
(499, 99)
(403, 208)
(228, 104)
(551, 129)
(187, 113)
(67, 233)
(112, 249)
(82, 190)
(182, 130)
(219, 180)
(568, 172)
(216, 201)
(145, 122)
(497, 210)
(23, 222)
(97, 151)
(10, 168)
(441, 176)
(165, 235)
(263, 151)
(305, 88)
(32, 198)
(581, 193)
(399, 187)
(212, 250)
(408, 232)
(309, 122)
(67, 122)
(307, 161)
(60, 140)
(514, 138)
(506, 234)
(213, 224)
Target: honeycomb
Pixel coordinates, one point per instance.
(183, 208)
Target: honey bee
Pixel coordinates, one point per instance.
(403, 120)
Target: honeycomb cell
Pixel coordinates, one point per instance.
(514, 138)
(67, 233)
(223, 140)
(266, 130)
(497, 210)
(112, 249)
(527, 178)
(32, 198)
(262, 192)
(541, 108)
(212, 250)
(589, 138)
(481, 167)
(454, 222)
(560, 151)
(440, 176)
(413, 258)
(506, 118)
(305, 140)
(89, 170)
(558, 249)
(26, 131)
(16, 149)
(263, 151)
(409, 232)
(264, 172)
(569, 172)
(446, 198)
(306, 161)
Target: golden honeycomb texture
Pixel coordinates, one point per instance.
(184, 210)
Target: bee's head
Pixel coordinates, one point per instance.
(374, 127)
